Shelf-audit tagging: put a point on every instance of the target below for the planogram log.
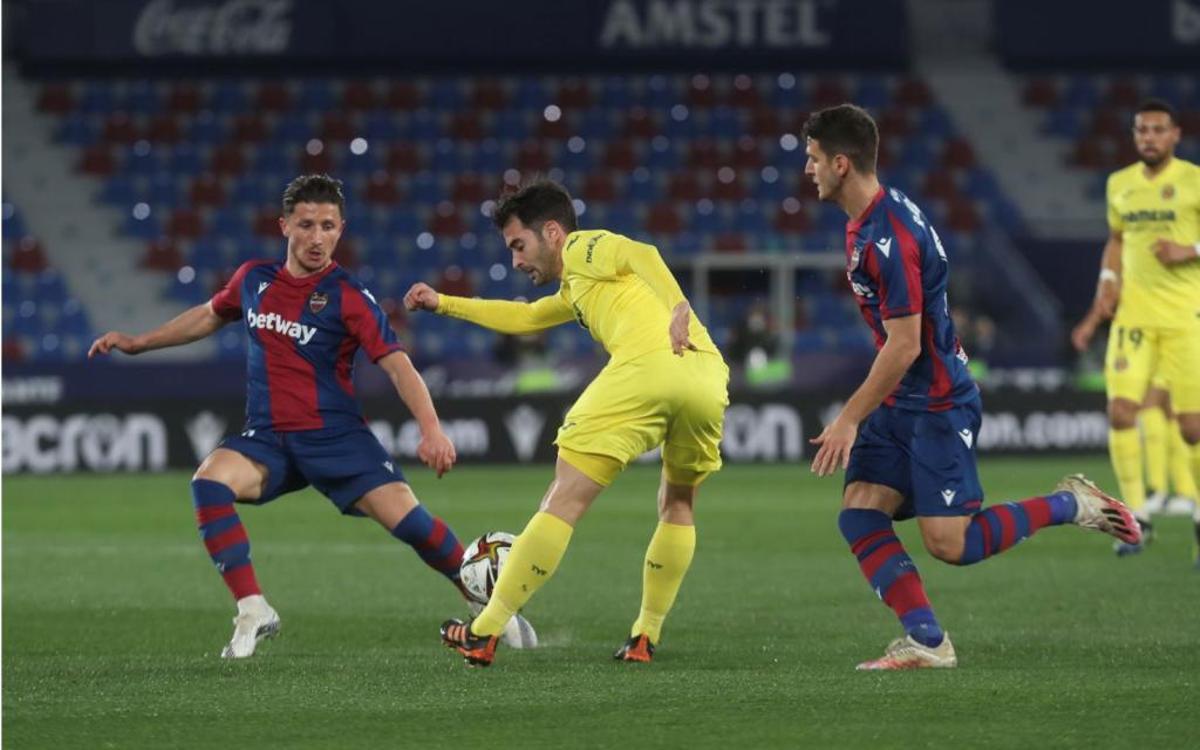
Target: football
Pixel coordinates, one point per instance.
(481, 563)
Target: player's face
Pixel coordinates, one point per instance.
(533, 252)
(1155, 136)
(313, 231)
(823, 170)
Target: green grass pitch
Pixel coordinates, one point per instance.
(113, 619)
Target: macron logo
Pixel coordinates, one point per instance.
(273, 322)
(885, 246)
(967, 437)
(263, 285)
(948, 496)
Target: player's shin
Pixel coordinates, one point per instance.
(224, 536)
(1155, 446)
(667, 561)
(1001, 527)
(1125, 450)
(531, 562)
(432, 540)
(890, 571)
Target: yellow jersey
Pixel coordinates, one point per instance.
(1143, 211)
(618, 289)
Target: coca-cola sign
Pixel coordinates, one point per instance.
(233, 27)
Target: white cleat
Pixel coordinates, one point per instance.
(1156, 503)
(905, 653)
(1096, 510)
(518, 633)
(255, 621)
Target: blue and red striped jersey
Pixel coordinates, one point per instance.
(897, 266)
(304, 333)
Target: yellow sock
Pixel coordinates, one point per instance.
(1125, 450)
(667, 560)
(532, 560)
(1179, 460)
(1154, 447)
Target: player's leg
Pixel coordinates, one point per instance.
(224, 477)
(1128, 364)
(1180, 363)
(691, 452)
(395, 507)
(878, 486)
(535, 554)
(668, 558)
(1156, 422)
(948, 496)
(245, 468)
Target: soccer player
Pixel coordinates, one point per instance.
(306, 317)
(1150, 286)
(664, 385)
(906, 437)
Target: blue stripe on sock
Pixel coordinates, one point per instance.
(895, 566)
(208, 494)
(232, 557)
(213, 528)
(1063, 507)
(1021, 519)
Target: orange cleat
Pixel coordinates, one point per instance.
(477, 650)
(637, 648)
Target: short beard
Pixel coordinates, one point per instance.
(1152, 161)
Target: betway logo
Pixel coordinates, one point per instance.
(274, 322)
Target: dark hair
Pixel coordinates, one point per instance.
(1158, 105)
(535, 203)
(848, 130)
(313, 188)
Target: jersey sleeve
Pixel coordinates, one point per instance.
(227, 302)
(645, 262)
(367, 323)
(897, 261)
(1115, 222)
(507, 316)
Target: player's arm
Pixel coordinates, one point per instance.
(1171, 253)
(644, 261)
(192, 325)
(435, 449)
(1108, 286)
(504, 316)
(899, 351)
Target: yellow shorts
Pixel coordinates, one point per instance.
(657, 399)
(1136, 356)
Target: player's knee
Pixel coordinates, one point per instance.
(675, 503)
(1189, 427)
(945, 547)
(1122, 414)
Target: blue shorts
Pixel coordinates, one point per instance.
(342, 464)
(928, 457)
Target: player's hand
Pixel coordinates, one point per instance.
(122, 342)
(437, 452)
(681, 317)
(1081, 335)
(1172, 253)
(421, 297)
(835, 440)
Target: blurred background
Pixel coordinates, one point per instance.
(146, 144)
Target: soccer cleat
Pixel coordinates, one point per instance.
(1156, 503)
(517, 633)
(906, 653)
(637, 648)
(478, 650)
(255, 621)
(1096, 510)
(1124, 549)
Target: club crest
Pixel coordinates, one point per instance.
(1168, 192)
(317, 302)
